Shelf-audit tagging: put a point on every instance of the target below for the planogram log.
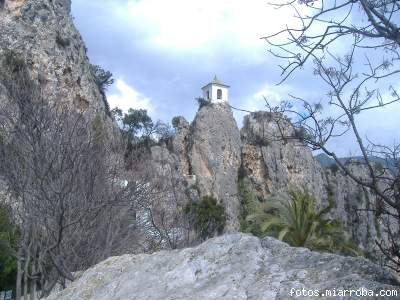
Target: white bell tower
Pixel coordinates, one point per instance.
(216, 91)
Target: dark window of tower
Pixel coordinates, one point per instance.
(219, 94)
(208, 95)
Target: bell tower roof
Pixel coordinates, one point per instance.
(216, 81)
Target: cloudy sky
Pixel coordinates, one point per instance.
(162, 52)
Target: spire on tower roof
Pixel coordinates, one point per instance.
(217, 82)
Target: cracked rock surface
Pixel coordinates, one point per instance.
(232, 266)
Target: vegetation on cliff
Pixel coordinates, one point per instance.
(357, 80)
(294, 219)
(207, 216)
(62, 181)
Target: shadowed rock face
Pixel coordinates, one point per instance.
(234, 266)
(42, 32)
(214, 157)
(180, 143)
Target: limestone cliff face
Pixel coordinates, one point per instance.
(273, 165)
(211, 156)
(359, 208)
(180, 143)
(214, 157)
(354, 205)
(42, 32)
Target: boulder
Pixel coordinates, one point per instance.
(232, 266)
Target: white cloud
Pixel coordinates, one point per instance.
(192, 24)
(203, 37)
(255, 102)
(271, 93)
(125, 97)
(274, 94)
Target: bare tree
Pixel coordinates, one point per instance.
(357, 81)
(76, 199)
(160, 217)
(70, 204)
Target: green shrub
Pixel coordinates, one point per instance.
(296, 221)
(334, 168)
(249, 203)
(12, 62)
(261, 141)
(175, 122)
(207, 217)
(62, 42)
(301, 133)
(103, 79)
(203, 102)
(379, 167)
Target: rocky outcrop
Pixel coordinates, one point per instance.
(180, 143)
(214, 157)
(358, 208)
(235, 266)
(274, 165)
(43, 34)
(209, 155)
(351, 204)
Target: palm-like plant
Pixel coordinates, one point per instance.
(295, 220)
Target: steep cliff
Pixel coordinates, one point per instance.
(180, 143)
(235, 266)
(355, 206)
(273, 165)
(214, 157)
(42, 33)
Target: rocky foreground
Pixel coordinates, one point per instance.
(234, 266)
